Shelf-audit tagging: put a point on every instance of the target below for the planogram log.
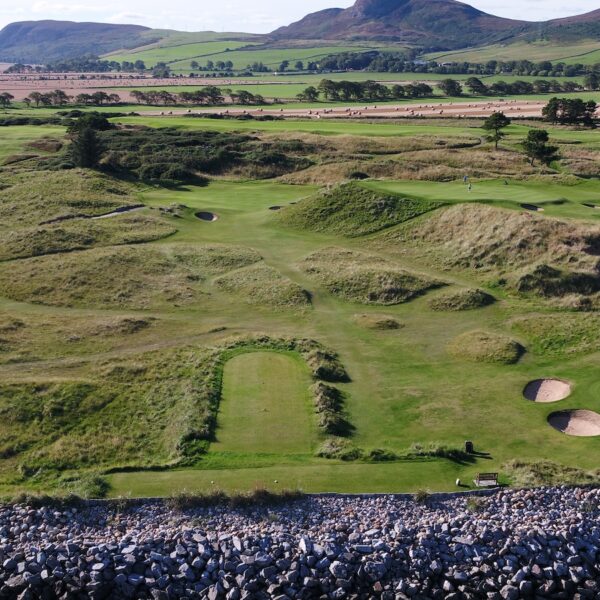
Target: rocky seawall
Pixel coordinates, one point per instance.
(542, 543)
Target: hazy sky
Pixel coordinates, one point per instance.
(241, 15)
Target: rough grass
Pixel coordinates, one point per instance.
(483, 346)
(52, 427)
(82, 234)
(49, 195)
(352, 210)
(467, 299)
(560, 334)
(377, 322)
(547, 473)
(260, 284)
(364, 278)
(486, 238)
(128, 276)
(528, 253)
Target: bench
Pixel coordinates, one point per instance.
(485, 480)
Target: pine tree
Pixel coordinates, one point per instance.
(85, 149)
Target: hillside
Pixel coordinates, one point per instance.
(45, 41)
(442, 24)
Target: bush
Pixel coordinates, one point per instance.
(422, 497)
(475, 504)
(326, 366)
(339, 449)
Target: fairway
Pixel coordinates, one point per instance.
(265, 406)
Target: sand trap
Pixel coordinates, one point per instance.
(547, 390)
(589, 205)
(207, 216)
(275, 207)
(580, 423)
(532, 207)
(120, 211)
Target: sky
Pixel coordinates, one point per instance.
(251, 16)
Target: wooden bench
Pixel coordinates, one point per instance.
(485, 480)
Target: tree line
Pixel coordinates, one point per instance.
(208, 96)
(407, 62)
(357, 91)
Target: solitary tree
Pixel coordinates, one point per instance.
(6, 99)
(451, 87)
(85, 149)
(310, 94)
(476, 86)
(537, 148)
(592, 81)
(299, 66)
(495, 123)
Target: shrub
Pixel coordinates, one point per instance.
(339, 449)
(475, 504)
(422, 497)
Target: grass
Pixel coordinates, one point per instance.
(586, 52)
(263, 285)
(112, 363)
(352, 210)
(358, 277)
(265, 407)
(15, 139)
(130, 276)
(483, 346)
(461, 300)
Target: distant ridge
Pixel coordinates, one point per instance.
(46, 41)
(436, 24)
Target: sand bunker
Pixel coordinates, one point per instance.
(589, 205)
(547, 390)
(580, 423)
(532, 207)
(275, 207)
(207, 216)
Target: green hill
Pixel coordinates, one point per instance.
(45, 41)
(352, 210)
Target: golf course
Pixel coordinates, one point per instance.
(324, 306)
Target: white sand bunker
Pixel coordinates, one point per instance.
(547, 390)
(207, 216)
(580, 423)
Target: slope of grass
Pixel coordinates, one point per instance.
(129, 276)
(468, 299)
(483, 346)
(81, 234)
(353, 210)
(15, 139)
(262, 285)
(31, 200)
(367, 279)
(585, 52)
(560, 334)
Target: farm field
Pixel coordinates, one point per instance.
(330, 308)
(587, 53)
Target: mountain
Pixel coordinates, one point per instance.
(46, 41)
(443, 24)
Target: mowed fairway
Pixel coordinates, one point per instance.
(265, 406)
